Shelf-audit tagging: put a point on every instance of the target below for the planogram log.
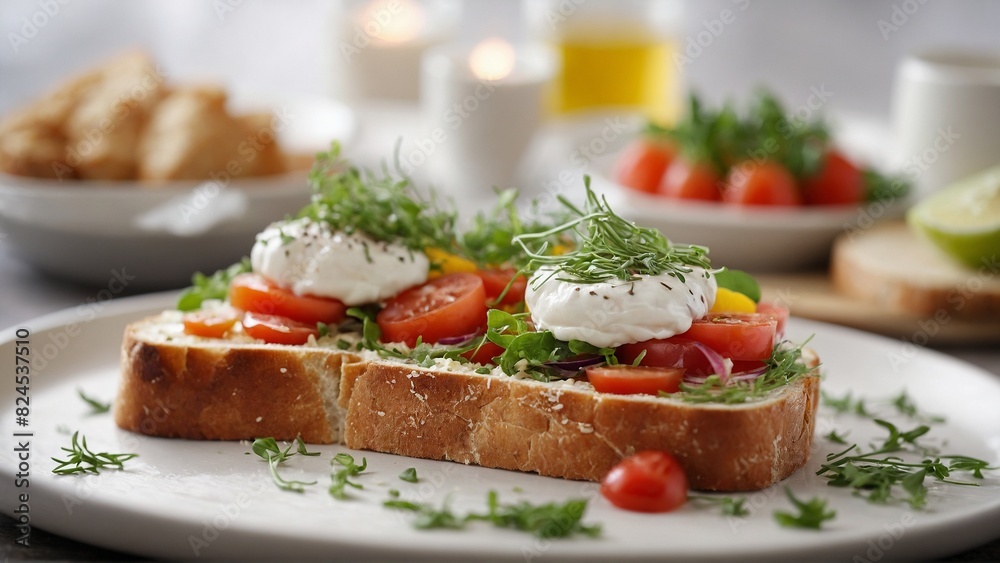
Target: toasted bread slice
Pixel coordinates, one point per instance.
(181, 386)
(568, 430)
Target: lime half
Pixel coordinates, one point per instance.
(964, 219)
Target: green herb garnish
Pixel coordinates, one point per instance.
(532, 351)
(487, 242)
(386, 207)
(549, 520)
(907, 407)
(608, 247)
(268, 450)
(811, 513)
(83, 460)
(409, 475)
(844, 404)
(429, 517)
(215, 286)
(783, 367)
(729, 506)
(341, 478)
(902, 403)
(301, 449)
(97, 407)
(836, 437)
(875, 475)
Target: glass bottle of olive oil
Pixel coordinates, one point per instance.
(613, 54)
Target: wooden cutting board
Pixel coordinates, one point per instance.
(892, 282)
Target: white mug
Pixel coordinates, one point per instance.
(477, 129)
(946, 117)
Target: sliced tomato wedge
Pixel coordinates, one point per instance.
(484, 354)
(649, 481)
(452, 305)
(631, 380)
(253, 292)
(779, 312)
(737, 336)
(211, 323)
(275, 329)
(673, 352)
(495, 281)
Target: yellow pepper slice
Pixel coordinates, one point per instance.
(729, 301)
(447, 263)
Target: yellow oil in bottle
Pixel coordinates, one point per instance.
(617, 72)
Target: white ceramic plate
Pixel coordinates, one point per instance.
(755, 238)
(86, 231)
(182, 499)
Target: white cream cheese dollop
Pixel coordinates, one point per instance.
(310, 258)
(617, 312)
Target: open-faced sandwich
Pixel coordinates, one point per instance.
(557, 346)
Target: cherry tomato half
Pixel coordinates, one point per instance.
(641, 165)
(684, 180)
(631, 380)
(275, 329)
(766, 183)
(838, 182)
(211, 323)
(649, 481)
(484, 354)
(452, 305)
(673, 352)
(495, 281)
(253, 292)
(779, 312)
(737, 336)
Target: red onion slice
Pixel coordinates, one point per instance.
(458, 340)
(748, 375)
(576, 364)
(732, 378)
(720, 366)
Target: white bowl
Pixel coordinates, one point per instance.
(756, 239)
(93, 232)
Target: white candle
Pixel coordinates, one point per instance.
(378, 45)
(480, 110)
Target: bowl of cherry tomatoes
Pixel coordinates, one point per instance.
(765, 190)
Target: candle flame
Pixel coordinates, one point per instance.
(392, 21)
(492, 59)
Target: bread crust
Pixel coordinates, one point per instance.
(230, 391)
(891, 266)
(574, 433)
(206, 389)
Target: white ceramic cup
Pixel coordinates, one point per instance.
(478, 129)
(946, 117)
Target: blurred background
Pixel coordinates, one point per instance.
(357, 66)
(288, 46)
(357, 70)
